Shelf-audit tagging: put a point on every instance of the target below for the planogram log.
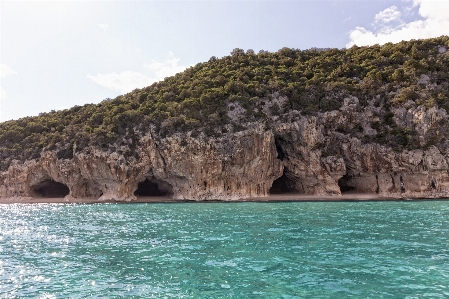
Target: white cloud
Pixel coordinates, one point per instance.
(387, 15)
(123, 82)
(6, 71)
(433, 9)
(103, 26)
(129, 80)
(155, 65)
(435, 23)
(167, 68)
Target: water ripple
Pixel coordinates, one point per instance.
(222, 250)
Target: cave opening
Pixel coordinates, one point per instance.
(49, 189)
(284, 185)
(279, 150)
(344, 184)
(153, 187)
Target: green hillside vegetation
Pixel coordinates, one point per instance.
(197, 101)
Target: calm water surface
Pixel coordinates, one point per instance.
(225, 250)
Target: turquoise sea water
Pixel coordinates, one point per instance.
(225, 250)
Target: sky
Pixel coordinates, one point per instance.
(58, 54)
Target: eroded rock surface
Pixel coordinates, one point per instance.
(243, 165)
(316, 155)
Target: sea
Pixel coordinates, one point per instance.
(383, 249)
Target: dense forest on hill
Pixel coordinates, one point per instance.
(225, 95)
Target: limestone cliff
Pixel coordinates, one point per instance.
(306, 156)
(236, 166)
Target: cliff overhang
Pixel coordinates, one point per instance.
(298, 157)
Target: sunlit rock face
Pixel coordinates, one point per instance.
(236, 166)
(327, 154)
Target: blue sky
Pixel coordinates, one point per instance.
(58, 54)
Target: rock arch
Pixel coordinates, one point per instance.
(153, 187)
(49, 189)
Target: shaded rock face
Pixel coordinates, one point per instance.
(306, 171)
(408, 174)
(49, 188)
(311, 155)
(153, 187)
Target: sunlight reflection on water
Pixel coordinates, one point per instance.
(240, 250)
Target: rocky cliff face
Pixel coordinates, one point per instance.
(237, 166)
(327, 154)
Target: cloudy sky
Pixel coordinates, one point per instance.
(58, 54)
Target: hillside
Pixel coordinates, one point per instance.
(317, 116)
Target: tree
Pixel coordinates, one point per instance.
(237, 52)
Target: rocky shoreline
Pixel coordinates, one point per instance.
(165, 199)
(308, 156)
